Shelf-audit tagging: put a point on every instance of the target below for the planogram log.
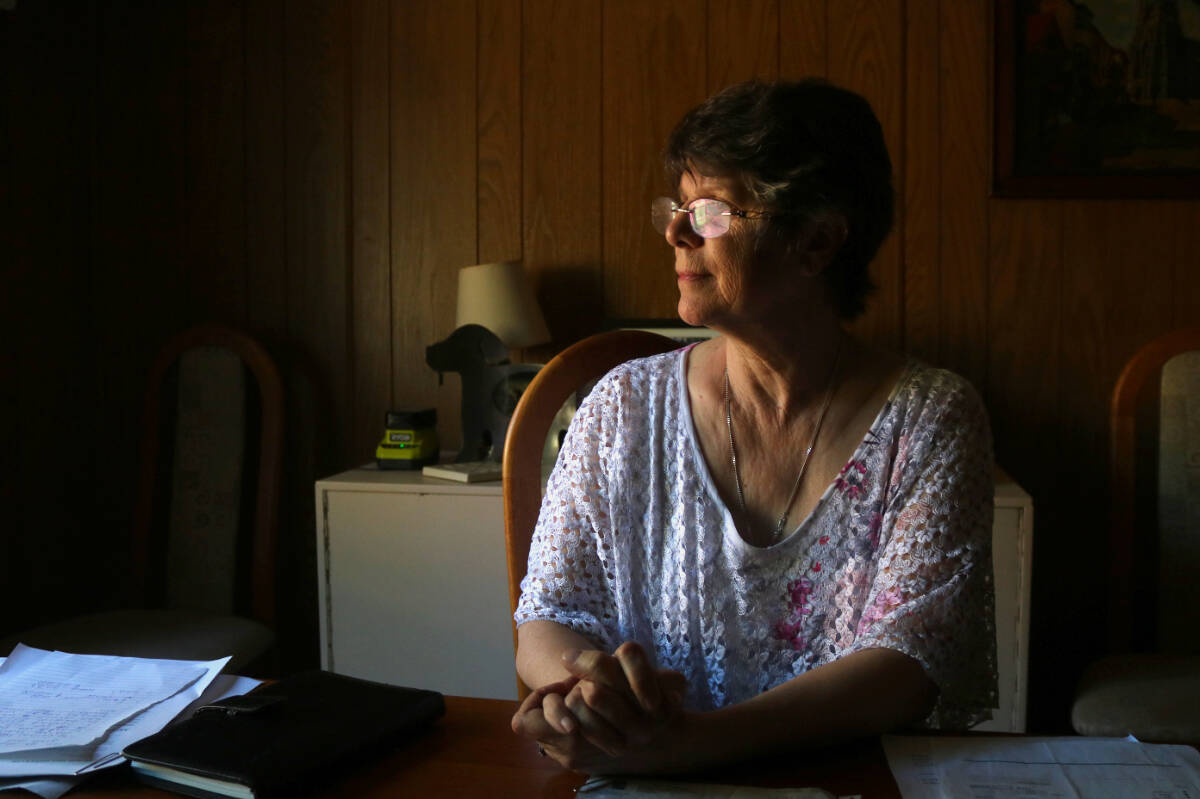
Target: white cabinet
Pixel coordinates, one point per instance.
(414, 588)
(413, 582)
(1012, 558)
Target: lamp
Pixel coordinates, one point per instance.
(496, 311)
(498, 297)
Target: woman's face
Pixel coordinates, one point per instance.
(724, 279)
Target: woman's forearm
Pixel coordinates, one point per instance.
(540, 645)
(861, 695)
(864, 694)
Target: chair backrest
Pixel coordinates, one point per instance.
(206, 515)
(557, 382)
(1155, 496)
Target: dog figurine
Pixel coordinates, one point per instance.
(481, 359)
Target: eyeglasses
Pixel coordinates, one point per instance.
(709, 218)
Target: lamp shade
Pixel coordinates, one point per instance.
(499, 297)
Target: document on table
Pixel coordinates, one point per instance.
(35, 685)
(222, 687)
(999, 767)
(57, 699)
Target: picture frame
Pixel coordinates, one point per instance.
(1096, 98)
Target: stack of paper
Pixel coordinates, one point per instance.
(63, 716)
(1011, 767)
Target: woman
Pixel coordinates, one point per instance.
(778, 537)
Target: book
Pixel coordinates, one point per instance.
(469, 472)
(283, 738)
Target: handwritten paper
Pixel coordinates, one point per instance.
(51, 772)
(72, 700)
(52, 787)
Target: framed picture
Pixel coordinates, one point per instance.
(1097, 98)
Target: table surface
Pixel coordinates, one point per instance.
(472, 751)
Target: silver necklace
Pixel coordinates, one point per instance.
(737, 477)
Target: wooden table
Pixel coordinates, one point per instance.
(472, 751)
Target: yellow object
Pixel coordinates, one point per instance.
(410, 441)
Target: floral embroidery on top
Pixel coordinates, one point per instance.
(850, 478)
(873, 528)
(883, 604)
(791, 628)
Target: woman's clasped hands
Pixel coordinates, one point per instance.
(613, 713)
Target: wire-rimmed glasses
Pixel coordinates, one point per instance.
(709, 218)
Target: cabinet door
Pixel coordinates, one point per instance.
(417, 591)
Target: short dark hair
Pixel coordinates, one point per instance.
(800, 147)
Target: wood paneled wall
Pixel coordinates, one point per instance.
(318, 171)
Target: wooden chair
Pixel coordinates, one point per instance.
(1150, 685)
(566, 374)
(206, 514)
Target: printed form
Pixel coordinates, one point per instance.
(998, 767)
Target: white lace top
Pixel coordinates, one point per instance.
(634, 543)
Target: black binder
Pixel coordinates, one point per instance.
(282, 738)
